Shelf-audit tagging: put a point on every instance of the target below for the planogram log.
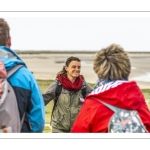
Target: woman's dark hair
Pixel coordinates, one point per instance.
(68, 61)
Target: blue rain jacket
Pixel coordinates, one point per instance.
(28, 94)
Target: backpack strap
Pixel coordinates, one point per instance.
(113, 108)
(84, 92)
(58, 90)
(109, 106)
(57, 93)
(9, 73)
(13, 70)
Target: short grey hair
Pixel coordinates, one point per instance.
(112, 63)
(4, 32)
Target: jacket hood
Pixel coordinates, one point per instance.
(126, 96)
(10, 62)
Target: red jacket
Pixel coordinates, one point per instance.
(94, 116)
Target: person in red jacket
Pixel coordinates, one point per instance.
(112, 66)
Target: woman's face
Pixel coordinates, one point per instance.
(73, 70)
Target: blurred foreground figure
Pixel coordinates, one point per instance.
(28, 97)
(112, 66)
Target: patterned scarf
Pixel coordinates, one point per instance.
(101, 82)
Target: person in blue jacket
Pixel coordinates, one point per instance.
(28, 94)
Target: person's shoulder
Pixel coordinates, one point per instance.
(51, 87)
(82, 77)
(85, 84)
(25, 73)
(24, 70)
(54, 83)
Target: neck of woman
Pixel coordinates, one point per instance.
(72, 79)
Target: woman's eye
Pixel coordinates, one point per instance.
(76, 67)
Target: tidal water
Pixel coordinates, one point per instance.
(145, 77)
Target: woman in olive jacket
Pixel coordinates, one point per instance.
(68, 104)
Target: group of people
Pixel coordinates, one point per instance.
(76, 107)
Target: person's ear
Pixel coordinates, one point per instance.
(66, 68)
(8, 44)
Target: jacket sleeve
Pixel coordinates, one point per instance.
(37, 114)
(49, 94)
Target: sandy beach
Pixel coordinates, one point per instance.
(45, 66)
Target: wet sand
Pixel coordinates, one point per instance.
(45, 66)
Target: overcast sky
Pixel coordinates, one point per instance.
(79, 33)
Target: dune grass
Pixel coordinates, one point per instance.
(43, 84)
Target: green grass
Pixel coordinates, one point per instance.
(48, 109)
(44, 85)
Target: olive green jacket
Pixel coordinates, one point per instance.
(67, 107)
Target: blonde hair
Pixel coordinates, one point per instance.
(4, 32)
(112, 63)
